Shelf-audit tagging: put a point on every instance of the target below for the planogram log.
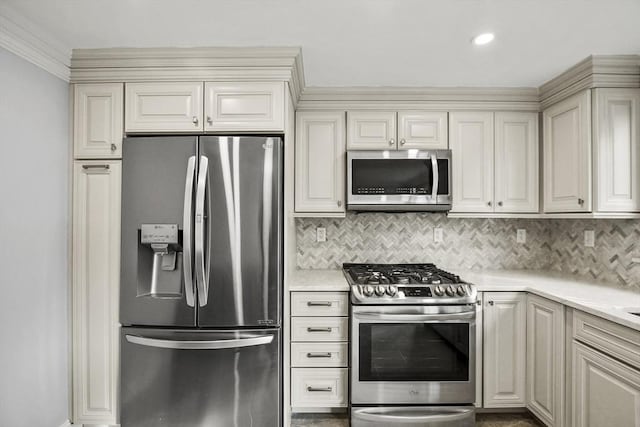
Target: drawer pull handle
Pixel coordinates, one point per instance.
(319, 303)
(317, 355)
(325, 389)
(319, 329)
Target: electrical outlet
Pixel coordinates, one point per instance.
(589, 238)
(521, 235)
(437, 235)
(321, 234)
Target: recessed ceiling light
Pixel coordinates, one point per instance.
(483, 39)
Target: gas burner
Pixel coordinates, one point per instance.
(406, 284)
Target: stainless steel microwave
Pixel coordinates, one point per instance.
(406, 180)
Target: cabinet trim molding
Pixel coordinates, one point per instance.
(232, 64)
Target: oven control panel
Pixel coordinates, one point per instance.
(422, 292)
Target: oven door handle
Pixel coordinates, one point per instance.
(468, 315)
(394, 419)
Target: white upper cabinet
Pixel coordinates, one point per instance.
(244, 106)
(567, 155)
(164, 107)
(516, 162)
(422, 130)
(616, 150)
(471, 142)
(388, 130)
(97, 120)
(504, 349)
(371, 130)
(320, 162)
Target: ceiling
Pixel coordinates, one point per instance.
(364, 42)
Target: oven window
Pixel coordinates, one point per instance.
(414, 352)
(397, 176)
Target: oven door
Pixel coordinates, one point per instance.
(399, 180)
(413, 354)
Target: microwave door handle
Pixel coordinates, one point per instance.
(436, 178)
(187, 229)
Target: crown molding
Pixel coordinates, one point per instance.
(621, 71)
(197, 63)
(24, 39)
(423, 98)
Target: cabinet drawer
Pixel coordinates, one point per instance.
(312, 354)
(319, 387)
(617, 340)
(319, 304)
(319, 328)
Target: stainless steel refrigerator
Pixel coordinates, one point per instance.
(201, 282)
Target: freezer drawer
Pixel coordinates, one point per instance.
(192, 378)
(414, 416)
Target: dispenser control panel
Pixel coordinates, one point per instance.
(159, 233)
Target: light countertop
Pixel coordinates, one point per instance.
(602, 300)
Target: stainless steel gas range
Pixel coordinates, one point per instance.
(413, 332)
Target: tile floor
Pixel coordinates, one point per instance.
(482, 420)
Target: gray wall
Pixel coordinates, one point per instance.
(475, 244)
(34, 197)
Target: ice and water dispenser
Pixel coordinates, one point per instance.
(160, 261)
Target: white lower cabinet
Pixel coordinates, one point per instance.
(504, 349)
(96, 273)
(545, 359)
(319, 351)
(606, 392)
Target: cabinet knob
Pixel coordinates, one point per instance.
(499, 203)
(113, 147)
(488, 203)
(490, 302)
(392, 141)
(339, 202)
(209, 120)
(195, 120)
(581, 202)
(403, 141)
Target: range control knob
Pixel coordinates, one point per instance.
(460, 291)
(438, 291)
(380, 290)
(392, 290)
(450, 291)
(367, 290)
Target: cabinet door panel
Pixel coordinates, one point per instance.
(504, 349)
(97, 120)
(163, 107)
(320, 162)
(244, 106)
(516, 162)
(422, 130)
(567, 155)
(96, 270)
(545, 359)
(605, 392)
(371, 130)
(471, 142)
(617, 149)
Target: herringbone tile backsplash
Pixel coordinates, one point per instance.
(474, 244)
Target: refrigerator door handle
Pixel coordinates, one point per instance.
(186, 232)
(202, 279)
(244, 341)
